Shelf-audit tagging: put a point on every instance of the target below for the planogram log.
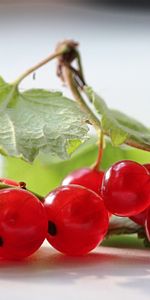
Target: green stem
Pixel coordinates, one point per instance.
(7, 186)
(39, 65)
(80, 66)
(69, 79)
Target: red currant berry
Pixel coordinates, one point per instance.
(9, 181)
(147, 166)
(23, 223)
(126, 188)
(140, 218)
(89, 178)
(77, 219)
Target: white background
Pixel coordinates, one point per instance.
(115, 47)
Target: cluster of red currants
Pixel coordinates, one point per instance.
(74, 217)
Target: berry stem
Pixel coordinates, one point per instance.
(100, 152)
(7, 186)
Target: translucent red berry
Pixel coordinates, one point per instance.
(147, 166)
(141, 217)
(23, 223)
(89, 178)
(77, 218)
(9, 181)
(126, 188)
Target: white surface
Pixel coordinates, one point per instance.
(107, 273)
(115, 48)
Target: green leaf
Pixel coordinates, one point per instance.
(120, 127)
(39, 120)
(124, 241)
(73, 145)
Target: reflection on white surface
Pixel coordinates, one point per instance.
(105, 273)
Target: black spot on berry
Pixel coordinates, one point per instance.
(52, 229)
(1, 241)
